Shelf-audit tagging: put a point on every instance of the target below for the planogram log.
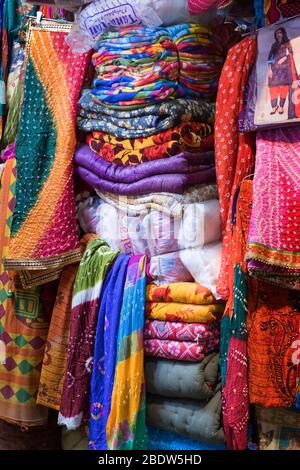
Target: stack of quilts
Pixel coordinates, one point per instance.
(181, 337)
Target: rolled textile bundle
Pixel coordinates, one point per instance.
(189, 313)
(176, 379)
(180, 331)
(190, 136)
(141, 122)
(196, 419)
(179, 350)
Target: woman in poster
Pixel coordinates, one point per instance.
(281, 70)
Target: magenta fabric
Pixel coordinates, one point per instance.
(179, 350)
(180, 331)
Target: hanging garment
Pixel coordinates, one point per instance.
(200, 333)
(234, 152)
(233, 351)
(56, 350)
(23, 328)
(189, 313)
(197, 7)
(184, 292)
(273, 323)
(103, 374)
(126, 426)
(179, 350)
(44, 227)
(94, 265)
(274, 238)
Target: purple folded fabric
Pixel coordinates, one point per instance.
(170, 183)
(184, 163)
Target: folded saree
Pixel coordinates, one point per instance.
(274, 227)
(103, 373)
(95, 263)
(179, 350)
(126, 425)
(183, 292)
(188, 313)
(184, 137)
(180, 331)
(141, 122)
(44, 225)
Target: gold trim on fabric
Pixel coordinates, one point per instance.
(52, 262)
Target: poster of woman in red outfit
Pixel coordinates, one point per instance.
(278, 74)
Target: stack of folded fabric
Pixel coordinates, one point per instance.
(181, 337)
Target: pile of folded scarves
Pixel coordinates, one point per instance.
(181, 337)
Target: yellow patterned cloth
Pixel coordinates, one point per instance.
(174, 311)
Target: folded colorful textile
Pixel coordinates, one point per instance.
(44, 226)
(179, 350)
(184, 292)
(126, 426)
(183, 163)
(140, 65)
(184, 137)
(93, 268)
(141, 122)
(180, 331)
(102, 380)
(169, 203)
(176, 183)
(177, 379)
(188, 313)
(274, 234)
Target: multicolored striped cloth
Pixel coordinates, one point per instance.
(95, 263)
(126, 426)
(139, 65)
(44, 226)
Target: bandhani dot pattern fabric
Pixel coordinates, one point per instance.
(44, 226)
(234, 152)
